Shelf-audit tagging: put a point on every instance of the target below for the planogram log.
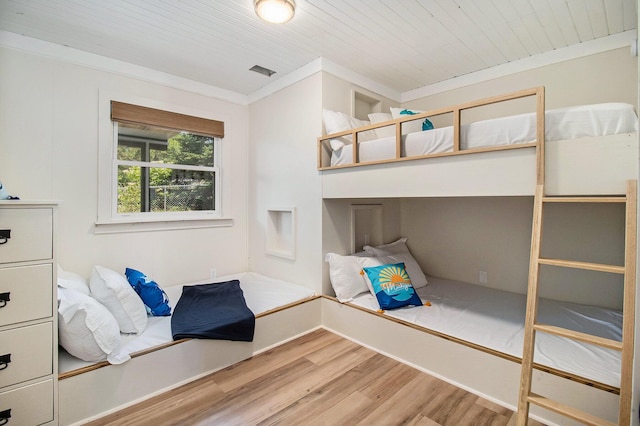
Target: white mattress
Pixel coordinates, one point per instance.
(560, 124)
(495, 319)
(260, 292)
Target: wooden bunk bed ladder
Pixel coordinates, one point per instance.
(532, 326)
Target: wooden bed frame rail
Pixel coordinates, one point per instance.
(569, 376)
(456, 110)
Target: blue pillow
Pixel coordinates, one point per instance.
(392, 286)
(426, 124)
(154, 298)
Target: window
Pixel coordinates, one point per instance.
(164, 170)
(163, 167)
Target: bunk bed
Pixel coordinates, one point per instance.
(157, 362)
(531, 149)
(585, 149)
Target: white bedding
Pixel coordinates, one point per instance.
(260, 292)
(495, 319)
(560, 124)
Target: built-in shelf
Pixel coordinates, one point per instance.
(363, 104)
(281, 232)
(366, 226)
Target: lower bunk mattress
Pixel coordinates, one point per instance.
(560, 124)
(494, 319)
(262, 294)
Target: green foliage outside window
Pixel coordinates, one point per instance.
(167, 189)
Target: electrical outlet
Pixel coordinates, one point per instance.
(366, 239)
(212, 273)
(482, 277)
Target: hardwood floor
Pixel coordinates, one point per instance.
(317, 379)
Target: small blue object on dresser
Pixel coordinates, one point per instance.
(154, 298)
(4, 194)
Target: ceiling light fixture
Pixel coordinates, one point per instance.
(275, 11)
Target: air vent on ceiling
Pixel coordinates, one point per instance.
(262, 70)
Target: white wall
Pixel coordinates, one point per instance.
(604, 77)
(456, 238)
(282, 173)
(338, 95)
(49, 150)
(337, 231)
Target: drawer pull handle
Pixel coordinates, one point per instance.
(4, 298)
(4, 361)
(5, 234)
(5, 416)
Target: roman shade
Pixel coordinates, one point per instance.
(135, 114)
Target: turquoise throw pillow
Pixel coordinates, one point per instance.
(392, 286)
(426, 124)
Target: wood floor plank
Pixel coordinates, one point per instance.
(318, 379)
(421, 420)
(401, 407)
(494, 407)
(257, 394)
(451, 410)
(394, 376)
(331, 351)
(347, 409)
(245, 371)
(313, 406)
(258, 409)
(480, 416)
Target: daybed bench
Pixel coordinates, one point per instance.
(283, 311)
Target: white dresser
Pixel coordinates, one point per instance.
(28, 314)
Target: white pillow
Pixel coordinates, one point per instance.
(399, 252)
(86, 329)
(409, 126)
(345, 274)
(114, 291)
(72, 281)
(381, 117)
(335, 122)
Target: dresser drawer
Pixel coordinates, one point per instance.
(30, 350)
(29, 290)
(31, 234)
(29, 405)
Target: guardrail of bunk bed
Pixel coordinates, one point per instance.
(456, 110)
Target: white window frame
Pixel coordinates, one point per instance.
(109, 220)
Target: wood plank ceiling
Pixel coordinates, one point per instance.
(402, 44)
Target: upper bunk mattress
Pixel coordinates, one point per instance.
(560, 124)
(494, 319)
(261, 294)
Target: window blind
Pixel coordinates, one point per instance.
(135, 114)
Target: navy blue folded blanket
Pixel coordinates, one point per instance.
(213, 311)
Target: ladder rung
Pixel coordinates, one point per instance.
(620, 199)
(576, 335)
(615, 269)
(567, 411)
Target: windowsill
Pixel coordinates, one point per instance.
(159, 224)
